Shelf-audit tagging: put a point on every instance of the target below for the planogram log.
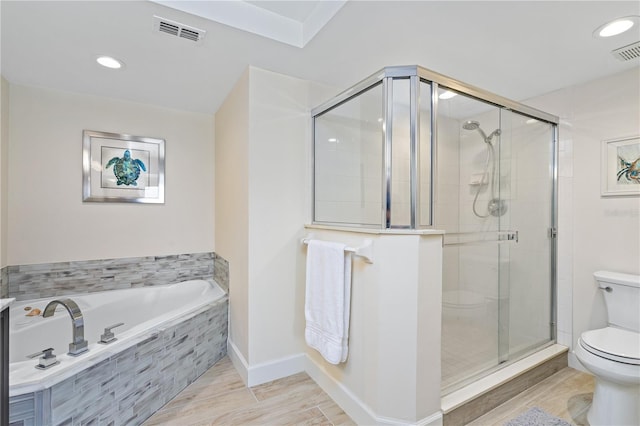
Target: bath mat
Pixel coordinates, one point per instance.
(536, 417)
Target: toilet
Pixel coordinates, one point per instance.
(612, 354)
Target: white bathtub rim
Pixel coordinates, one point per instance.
(217, 291)
(5, 303)
(49, 378)
(44, 379)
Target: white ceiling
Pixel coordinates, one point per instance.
(291, 22)
(517, 49)
(296, 10)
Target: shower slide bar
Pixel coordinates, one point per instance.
(365, 250)
(465, 238)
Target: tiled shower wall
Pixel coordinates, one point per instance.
(26, 282)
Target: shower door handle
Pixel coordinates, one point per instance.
(467, 238)
(508, 236)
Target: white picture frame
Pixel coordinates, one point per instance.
(620, 172)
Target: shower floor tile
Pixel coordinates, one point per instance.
(467, 349)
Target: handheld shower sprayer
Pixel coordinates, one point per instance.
(496, 206)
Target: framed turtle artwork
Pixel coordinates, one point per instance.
(122, 168)
(620, 174)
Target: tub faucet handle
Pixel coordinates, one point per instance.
(108, 335)
(47, 360)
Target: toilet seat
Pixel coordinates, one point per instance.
(614, 344)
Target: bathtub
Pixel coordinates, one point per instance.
(167, 329)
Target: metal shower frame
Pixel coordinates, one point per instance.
(417, 74)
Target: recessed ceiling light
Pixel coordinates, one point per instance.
(447, 94)
(615, 27)
(109, 62)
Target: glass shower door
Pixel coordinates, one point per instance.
(527, 277)
(494, 200)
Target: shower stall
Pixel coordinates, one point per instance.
(409, 149)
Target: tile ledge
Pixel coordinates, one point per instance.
(5, 303)
(455, 399)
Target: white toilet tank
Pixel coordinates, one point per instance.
(622, 298)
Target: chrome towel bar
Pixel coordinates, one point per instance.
(365, 250)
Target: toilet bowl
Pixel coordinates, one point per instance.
(612, 354)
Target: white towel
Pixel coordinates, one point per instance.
(328, 299)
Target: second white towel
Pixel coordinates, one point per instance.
(328, 299)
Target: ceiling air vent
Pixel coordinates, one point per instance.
(627, 53)
(167, 26)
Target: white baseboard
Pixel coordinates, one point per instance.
(360, 412)
(574, 363)
(342, 396)
(238, 361)
(350, 403)
(277, 369)
(267, 371)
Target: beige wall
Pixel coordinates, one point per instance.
(47, 220)
(4, 163)
(279, 136)
(262, 154)
(262, 202)
(232, 205)
(392, 374)
(595, 232)
(261, 150)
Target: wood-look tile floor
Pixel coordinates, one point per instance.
(219, 397)
(566, 394)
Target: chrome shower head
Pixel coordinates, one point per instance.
(471, 125)
(475, 125)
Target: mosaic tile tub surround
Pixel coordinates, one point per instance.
(26, 282)
(130, 386)
(4, 283)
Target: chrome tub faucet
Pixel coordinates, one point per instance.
(78, 345)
